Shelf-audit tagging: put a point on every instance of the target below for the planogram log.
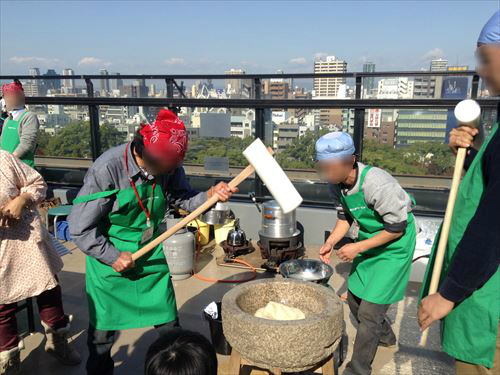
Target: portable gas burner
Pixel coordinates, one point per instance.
(233, 251)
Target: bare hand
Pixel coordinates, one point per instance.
(462, 137)
(14, 209)
(223, 190)
(124, 262)
(432, 308)
(348, 252)
(325, 252)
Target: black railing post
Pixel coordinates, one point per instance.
(359, 122)
(260, 132)
(475, 87)
(95, 138)
(170, 94)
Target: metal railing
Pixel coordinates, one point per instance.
(258, 103)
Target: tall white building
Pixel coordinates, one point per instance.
(68, 83)
(395, 88)
(328, 87)
(32, 86)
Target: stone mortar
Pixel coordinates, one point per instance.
(291, 346)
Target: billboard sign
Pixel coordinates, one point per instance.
(374, 117)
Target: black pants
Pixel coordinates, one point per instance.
(373, 329)
(100, 342)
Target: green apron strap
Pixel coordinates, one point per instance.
(94, 196)
(363, 175)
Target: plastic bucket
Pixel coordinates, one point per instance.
(217, 337)
(204, 231)
(221, 231)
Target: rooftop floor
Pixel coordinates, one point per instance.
(193, 295)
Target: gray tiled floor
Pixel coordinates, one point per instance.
(193, 295)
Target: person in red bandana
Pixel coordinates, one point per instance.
(20, 128)
(125, 197)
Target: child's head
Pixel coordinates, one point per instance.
(181, 352)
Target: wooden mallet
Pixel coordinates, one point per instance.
(262, 162)
(467, 113)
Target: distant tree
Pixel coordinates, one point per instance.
(300, 153)
(232, 148)
(73, 140)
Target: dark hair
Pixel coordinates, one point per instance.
(138, 143)
(181, 352)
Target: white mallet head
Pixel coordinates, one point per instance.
(468, 113)
(273, 176)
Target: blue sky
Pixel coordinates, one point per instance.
(211, 36)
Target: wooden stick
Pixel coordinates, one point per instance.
(244, 174)
(445, 230)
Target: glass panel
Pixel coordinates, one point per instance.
(64, 131)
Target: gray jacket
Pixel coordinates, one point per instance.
(384, 195)
(28, 133)
(107, 173)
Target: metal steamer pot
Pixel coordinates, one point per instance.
(275, 223)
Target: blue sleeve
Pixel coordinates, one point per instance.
(181, 194)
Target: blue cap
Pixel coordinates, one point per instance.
(334, 145)
(491, 30)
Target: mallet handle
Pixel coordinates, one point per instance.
(445, 230)
(244, 174)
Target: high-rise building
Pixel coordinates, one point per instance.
(34, 72)
(395, 88)
(430, 87)
(104, 81)
(237, 86)
(68, 84)
(439, 65)
(51, 84)
(278, 89)
(117, 84)
(368, 82)
(329, 87)
(421, 126)
(142, 90)
(33, 87)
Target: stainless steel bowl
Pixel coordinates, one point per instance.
(220, 214)
(307, 270)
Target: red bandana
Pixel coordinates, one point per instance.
(166, 138)
(14, 86)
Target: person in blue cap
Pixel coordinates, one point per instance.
(383, 251)
(468, 297)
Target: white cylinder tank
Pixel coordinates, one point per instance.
(179, 252)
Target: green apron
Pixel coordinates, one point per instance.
(469, 331)
(378, 275)
(140, 297)
(10, 139)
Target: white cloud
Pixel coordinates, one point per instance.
(90, 60)
(33, 60)
(175, 61)
(299, 61)
(435, 53)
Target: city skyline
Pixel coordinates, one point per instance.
(277, 35)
